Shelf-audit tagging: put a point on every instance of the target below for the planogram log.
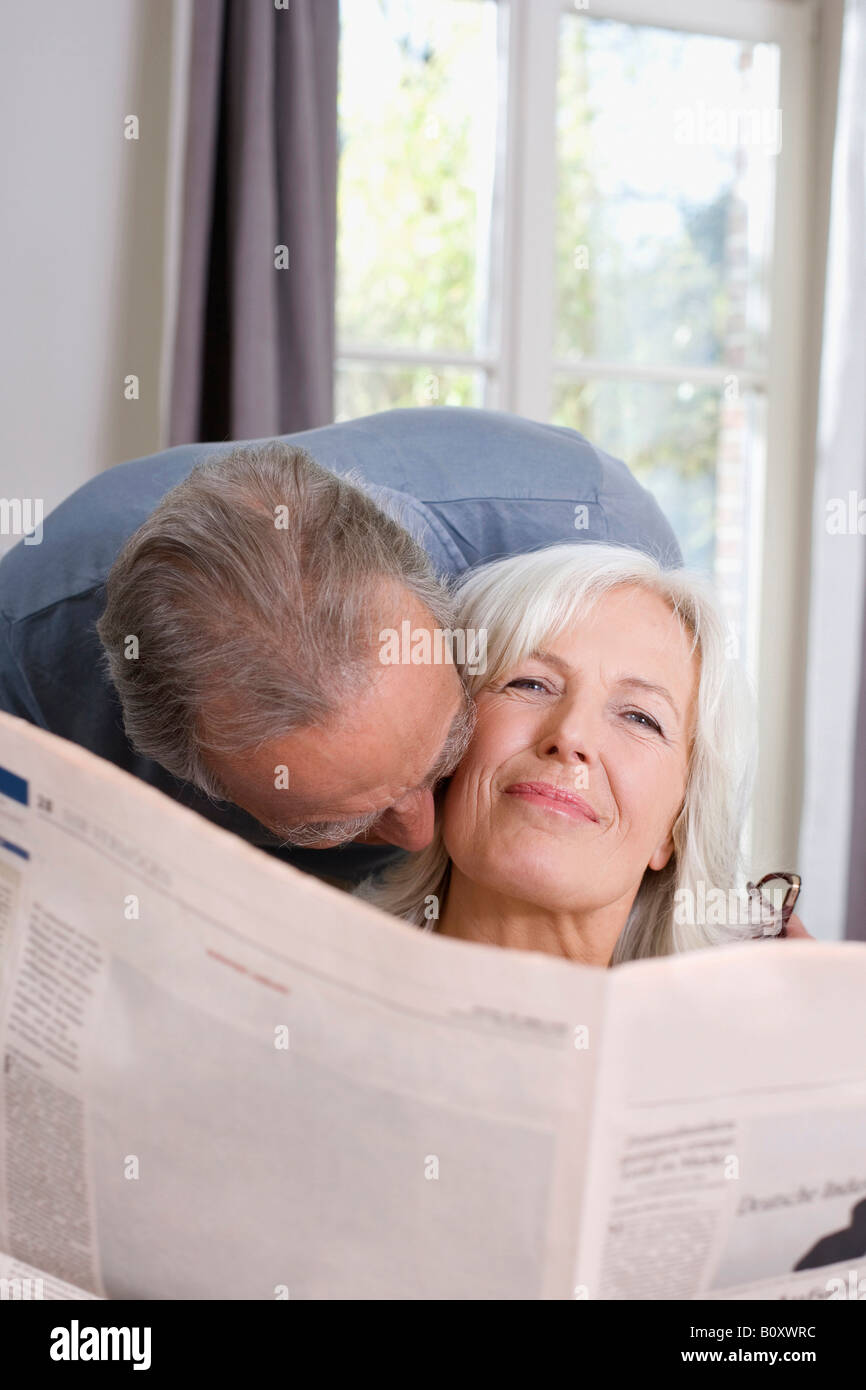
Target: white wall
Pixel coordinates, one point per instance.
(82, 238)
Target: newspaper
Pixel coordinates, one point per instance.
(224, 1079)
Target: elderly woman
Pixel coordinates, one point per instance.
(601, 803)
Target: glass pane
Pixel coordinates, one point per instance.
(417, 118)
(666, 153)
(697, 449)
(362, 388)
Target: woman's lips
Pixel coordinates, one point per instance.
(554, 799)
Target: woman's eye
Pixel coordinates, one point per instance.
(645, 720)
(523, 682)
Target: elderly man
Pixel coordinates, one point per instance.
(210, 618)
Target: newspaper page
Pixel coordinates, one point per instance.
(224, 1079)
(729, 1143)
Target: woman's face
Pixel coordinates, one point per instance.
(578, 767)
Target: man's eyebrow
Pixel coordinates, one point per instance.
(637, 681)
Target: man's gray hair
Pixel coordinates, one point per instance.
(254, 592)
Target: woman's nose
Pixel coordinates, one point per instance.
(571, 738)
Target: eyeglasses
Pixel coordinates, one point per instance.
(775, 896)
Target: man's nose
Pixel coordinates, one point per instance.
(409, 822)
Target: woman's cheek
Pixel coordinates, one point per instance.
(454, 810)
(465, 811)
(648, 800)
(463, 796)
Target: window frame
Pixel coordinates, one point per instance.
(518, 369)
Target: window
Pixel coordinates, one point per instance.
(666, 145)
(592, 214)
(418, 141)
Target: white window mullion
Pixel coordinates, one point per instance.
(413, 357)
(530, 200)
(787, 492)
(754, 20)
(589, 368)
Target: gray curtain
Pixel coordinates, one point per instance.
(254, 344)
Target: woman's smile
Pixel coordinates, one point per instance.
(553, 800)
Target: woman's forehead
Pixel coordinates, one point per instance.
(631, 615)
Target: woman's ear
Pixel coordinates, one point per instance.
(660, 856)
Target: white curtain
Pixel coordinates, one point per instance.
(832, 831)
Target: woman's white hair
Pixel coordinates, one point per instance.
(525, 601)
